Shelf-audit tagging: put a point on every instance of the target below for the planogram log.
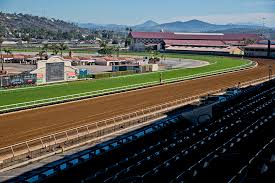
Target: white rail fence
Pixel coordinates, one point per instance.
(36, 103)
(93, 130)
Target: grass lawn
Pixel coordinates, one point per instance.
(37, 93)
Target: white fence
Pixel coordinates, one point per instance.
(35, 103)
(91, 130)
(95, 130)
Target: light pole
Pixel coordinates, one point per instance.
(117, 51)
(2, 62)
(270, 72)
(263, 31)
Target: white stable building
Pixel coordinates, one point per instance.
(55, 69)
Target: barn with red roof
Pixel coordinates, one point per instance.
(183, 42)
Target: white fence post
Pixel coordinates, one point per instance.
(13, 155)
(42, 142)
(28, 146)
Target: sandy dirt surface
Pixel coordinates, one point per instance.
(169, 64)
(25, 125)
(14, 68)
(183, 63)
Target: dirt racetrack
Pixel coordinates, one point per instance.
(25, 125)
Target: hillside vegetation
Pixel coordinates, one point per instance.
(27, 26)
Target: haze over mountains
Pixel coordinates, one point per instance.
(178, 26)
(29, 26)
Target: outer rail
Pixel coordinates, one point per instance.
(93, 130)
(66, 98)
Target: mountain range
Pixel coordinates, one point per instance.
(27, 26)
(177, 26)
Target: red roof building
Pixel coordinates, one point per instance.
(259, 50)
(194, 36)
(193, 43)
(160, 40)
(260, 46)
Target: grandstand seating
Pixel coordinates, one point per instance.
(237, 145)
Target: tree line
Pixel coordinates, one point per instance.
(55, 48)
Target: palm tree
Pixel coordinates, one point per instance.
(45, 48)
(117, 50)
(104, 48)
(127, 42)
(2, 61)
(62, 47)
(102, 44)
(149, 51)
(55, 48)
(162, 56)
(41, 54)
(156, 54)
(7, 51)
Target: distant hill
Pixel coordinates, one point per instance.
(178, 26)
(24, 25)
(199, 26)
(115, 27)
(146, 24)
(110, 27)
(189, 26)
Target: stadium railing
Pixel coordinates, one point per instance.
(93, 130)
(66, 98)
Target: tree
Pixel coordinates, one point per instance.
(249, 41)
(162, 56)
(115, 41)
(26, 38)
(7, 51)
(41, 54)
(104, 48)
(2, 61)
(149, 51)
(117, 50)
(106, 51)
(55, 48)
(45, 48)
(62, 47)
(128, 42)
(102, 44)
(154, 57)
(155, 54)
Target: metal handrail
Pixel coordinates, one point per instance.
(150, 109)
(114, 120)
(112, 90)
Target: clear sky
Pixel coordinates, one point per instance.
(133, 12)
